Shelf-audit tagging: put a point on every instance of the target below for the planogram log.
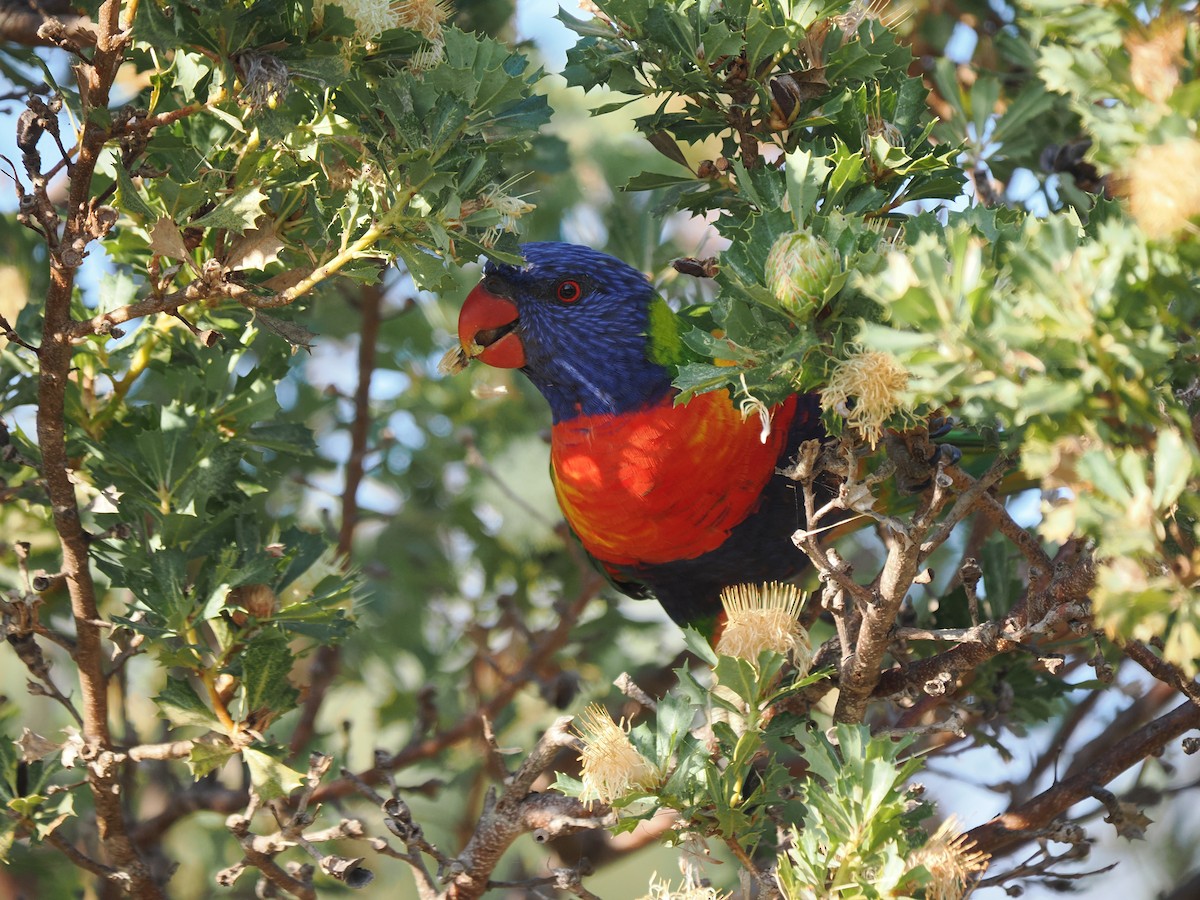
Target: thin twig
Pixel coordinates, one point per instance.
(547, 644)
(1018, 825)
(71, 852)
(1162, 670)
(627, 686)
(518, 810)
(326, 661)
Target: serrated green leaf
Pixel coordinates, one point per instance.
(26, 805)
(1173, 467)
(673, 721)
(672, 28)
(697, 378)
(739, 676)
(131, 199)
(272, 778)
(699, 645)
(847, 172)
(180, 705)
(190, 69)
(54, 813)
(592, 27)
(806, 174)
(237, 212)
(266, 663)
(565, 784)
(206, 757)
(648, 181)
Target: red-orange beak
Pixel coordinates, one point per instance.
(486, 330)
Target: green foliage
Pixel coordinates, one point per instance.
(860, 819)
(34, 807)
(277, 149)
(727, 762)
(269, 149)
(709, 739)
(328, 154)
(186, 462)
(828, 96)
(1071, 335)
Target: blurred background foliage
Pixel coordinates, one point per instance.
(1033, 268)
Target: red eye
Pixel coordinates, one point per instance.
(569, 291)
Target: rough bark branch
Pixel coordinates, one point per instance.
(325, 664)
(545, 645)
(519, 810)
(860, 669)
(1163, 670)
(54, 356)
(22, 23)
(1022, 824)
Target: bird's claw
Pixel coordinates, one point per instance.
(946, 453)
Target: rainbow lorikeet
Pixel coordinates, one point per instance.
(673, 501)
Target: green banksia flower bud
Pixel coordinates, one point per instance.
(799, 267)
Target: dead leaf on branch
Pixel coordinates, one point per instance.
(256, 249)
(296, 335)
(167, 240)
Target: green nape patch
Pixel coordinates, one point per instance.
(666, 341)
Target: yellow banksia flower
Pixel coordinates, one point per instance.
(1155, 56)
(662, 890)
(612, 766)
(952, 862)
(865, 387)
(425, 16)
(373, 17)
(764, 617)
(1161, 183)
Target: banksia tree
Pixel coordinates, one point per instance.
(260, 562)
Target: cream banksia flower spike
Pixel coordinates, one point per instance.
(1161, 184)
(866, 388)
(510, 207)
(370, 17)
(612, 766)
(373, 17)
(662, 890)
(425, 16)
(764, 617)
(951, 861)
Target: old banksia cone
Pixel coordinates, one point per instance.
(799, 268)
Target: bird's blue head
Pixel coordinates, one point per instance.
(576, 321)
